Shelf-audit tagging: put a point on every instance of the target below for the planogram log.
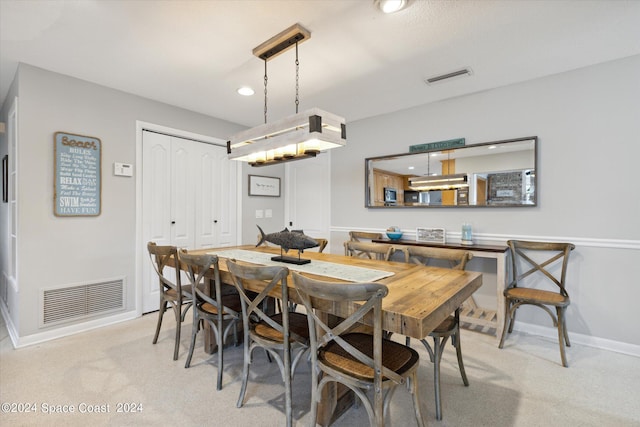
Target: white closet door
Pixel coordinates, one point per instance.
(183, 161)
(308, 195)
(189, 198)
(156, 209)
(215, 194)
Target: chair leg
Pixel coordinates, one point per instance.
(287, 387)
(176, 348)
(220, 339)
(561, 333)
(416, 399)
(163, 308)
(455, 339)
(507, 323)
(245, 367)
(437, 356)
(194, 332)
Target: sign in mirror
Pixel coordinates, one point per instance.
(491, 174)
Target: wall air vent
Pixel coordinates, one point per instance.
(77, 302)
(437, 79)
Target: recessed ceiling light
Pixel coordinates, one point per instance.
(246, 91)
(411, 168)
(390, 6)
(492, 147)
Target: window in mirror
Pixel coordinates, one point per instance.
(500, 173)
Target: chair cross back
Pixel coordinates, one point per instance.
(564, 250)
(379, 251)
(276, 276)
(160, 257)
(422, 255)
(197, 267)
(372, 293)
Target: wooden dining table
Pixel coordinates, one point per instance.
(419, 298)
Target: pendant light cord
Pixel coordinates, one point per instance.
(265, 91)
(297, 79)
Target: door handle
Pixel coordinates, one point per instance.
(173, 222)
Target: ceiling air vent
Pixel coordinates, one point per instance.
(447, 76)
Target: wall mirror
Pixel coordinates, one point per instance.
(491, 174)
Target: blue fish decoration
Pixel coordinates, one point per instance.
(288, 239)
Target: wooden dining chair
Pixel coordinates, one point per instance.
(362, 362)
(363, 236)
(369, 250)
(221, 312)
(284, 335)
(534, 261)
(450, 327)
(172, 292)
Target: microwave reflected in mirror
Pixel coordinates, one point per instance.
(501, 173)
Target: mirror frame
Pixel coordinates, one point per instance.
(536, 195)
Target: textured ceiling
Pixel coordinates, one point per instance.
(358, 62)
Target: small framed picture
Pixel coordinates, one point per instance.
(264, 186)
(433, 235)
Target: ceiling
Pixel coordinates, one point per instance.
(358, 62)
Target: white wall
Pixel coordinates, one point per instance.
(588, 125)
(56, 251)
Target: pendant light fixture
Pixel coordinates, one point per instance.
(448, 181)
(296, 137)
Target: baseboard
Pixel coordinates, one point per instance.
(19, 342)
(575, 338)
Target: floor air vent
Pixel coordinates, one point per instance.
(82, 301)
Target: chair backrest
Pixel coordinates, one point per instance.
(369, 250)
(427, 255)
(318, 296)
(198, 270)
(525, 262)
(252, 306)
(363, 236)
(161, 257)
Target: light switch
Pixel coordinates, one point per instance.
(122, 169)
(268, 213)
(259, 213)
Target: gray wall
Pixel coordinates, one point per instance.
(588, 124)
(252, 203)
(57, 251)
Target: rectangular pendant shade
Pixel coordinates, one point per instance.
(438, 182)
(298, 136)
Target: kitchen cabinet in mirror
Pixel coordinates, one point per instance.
(491, 174)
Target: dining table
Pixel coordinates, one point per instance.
(419, 298)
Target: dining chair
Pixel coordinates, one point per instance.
(172, 292)
(369, 250)
(284, 335)
(365, 363)
(363, 236)
(448, 328)
(534, 261)
(221, 312)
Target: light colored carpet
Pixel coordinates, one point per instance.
(117, 367)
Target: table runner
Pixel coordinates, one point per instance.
(321, 268)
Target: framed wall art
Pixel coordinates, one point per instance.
(267, 186)
(77, 175)
(433, 235)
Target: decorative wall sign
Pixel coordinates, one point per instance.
(433, 235)
(264, 186)
(77, 175)
(440, 145)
